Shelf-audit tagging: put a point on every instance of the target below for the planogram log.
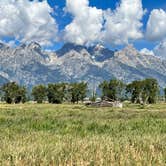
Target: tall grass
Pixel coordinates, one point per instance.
(78, 135)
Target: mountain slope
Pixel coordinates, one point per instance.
(3, 80)
(30, 65)
(128, 65)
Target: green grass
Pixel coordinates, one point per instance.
(33, 134)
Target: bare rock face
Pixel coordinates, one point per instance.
(30, 65)
(3, 80)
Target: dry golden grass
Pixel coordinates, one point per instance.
(76, 135)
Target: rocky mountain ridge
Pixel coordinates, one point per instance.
(30, 65)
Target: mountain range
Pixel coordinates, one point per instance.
(31, 65)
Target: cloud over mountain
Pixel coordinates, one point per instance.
(160, 50)
(124, 23)
(91, 25)
(156, 26)
(24, 21)
(156, 31)
(145, 51)
(27, 21)
(86, 25)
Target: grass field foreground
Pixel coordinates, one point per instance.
(44, 134)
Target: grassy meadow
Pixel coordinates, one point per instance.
(44, 134)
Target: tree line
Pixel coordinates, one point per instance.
(140, 91)
(56, 93)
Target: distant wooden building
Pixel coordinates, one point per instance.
(105, 103)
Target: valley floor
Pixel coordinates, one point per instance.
(34, 134)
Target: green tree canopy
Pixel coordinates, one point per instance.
(77, 91)
(112, 89)
(13, 93)
(56, 93)
(39, 93)
(144, 91)
(165, 93)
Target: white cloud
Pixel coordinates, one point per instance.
(156, 31)
(86, 25)
(90, 25)
(156, 26)
(146, 51)
(27, 21)
(124, 23)
(160, 50)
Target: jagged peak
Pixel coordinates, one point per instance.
(68, 47)
(34, 45)
(22, 45)
(3, 45)
(130, 50)
(99, 47)
(73, 46)
(130, 47)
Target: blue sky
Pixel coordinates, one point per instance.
(105, 4)
(58, 27)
